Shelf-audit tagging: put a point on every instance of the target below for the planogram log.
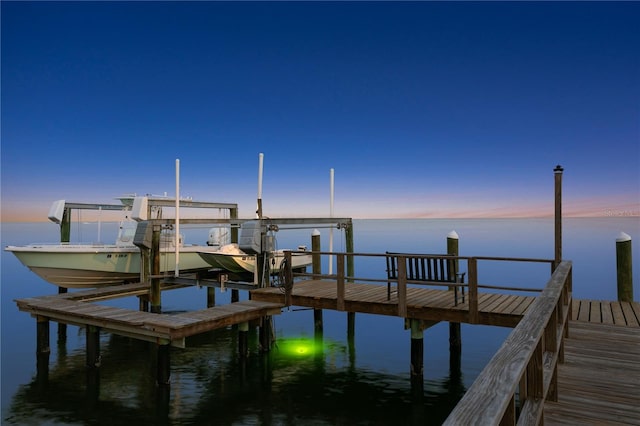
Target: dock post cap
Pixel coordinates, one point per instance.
(622, 237)
(558, 169)
(453, 235)
(315, 232)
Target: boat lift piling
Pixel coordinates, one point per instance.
(317, 270)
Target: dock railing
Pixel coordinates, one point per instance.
(513, 387)
(402, 278)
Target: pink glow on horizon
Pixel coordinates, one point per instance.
(616, 206)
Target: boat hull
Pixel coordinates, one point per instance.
(86, 266)
(242, 263)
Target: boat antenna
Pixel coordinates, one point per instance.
(177, 234)
(259, 209)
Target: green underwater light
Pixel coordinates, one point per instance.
(299, 347)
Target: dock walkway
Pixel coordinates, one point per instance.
(606, 312)
(422, 303)
(599, 381)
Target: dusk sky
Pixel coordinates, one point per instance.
(424, 109)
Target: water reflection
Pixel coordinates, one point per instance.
(211, 384)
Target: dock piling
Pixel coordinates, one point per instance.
(163, 373)
(62, 328)
(156, 302)
(316, 266)
(264, 334)
(93, 346)
(558, 212)
(455, 338)
(211, 297)
(42, 347)
(417, 350)
(351, 316)
(243, 339)
(623, 267)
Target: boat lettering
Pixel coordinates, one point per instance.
(117, 255)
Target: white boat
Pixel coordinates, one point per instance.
(232, 259)
(94, 265)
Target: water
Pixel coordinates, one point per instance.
(362, 382)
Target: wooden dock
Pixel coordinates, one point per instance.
(606, 312)
(77, 308)
(422, 303)
(594, 345)
(599, 381)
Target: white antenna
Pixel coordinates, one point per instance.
(177, 234)
(331, 215)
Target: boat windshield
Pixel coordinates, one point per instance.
(126, 233)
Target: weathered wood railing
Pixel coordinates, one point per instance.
(514, 385)
(524, 369)
(402, 278)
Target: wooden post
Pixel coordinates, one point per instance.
(550, 345)
(92, 390)
(145, 276)
(316, 270)
(62, 328)
(243, 340)
(316, 261)
(262, 280)
(162, 406)
(65, 237)
(472, 265)
(623, 264)
(42, 330)
(163, 373)
(211, 297)
(156, 301)
(535, 372)
(455, 340)
(93, 346)
(264, 334)
(558, 213)
(351, 316)
(143, 303)
(340, 282)
(452, 246)
(417, 350)
(43, 350)
(402, 286)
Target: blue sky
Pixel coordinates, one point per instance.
(424, 109)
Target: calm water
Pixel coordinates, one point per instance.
(361, 382)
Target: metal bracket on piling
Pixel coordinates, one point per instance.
(223, 278)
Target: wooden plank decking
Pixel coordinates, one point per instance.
(422, 303)
(74, 308)
(599, 382)
(605, 312)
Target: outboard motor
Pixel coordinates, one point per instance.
(251, 237)
(219, 236)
